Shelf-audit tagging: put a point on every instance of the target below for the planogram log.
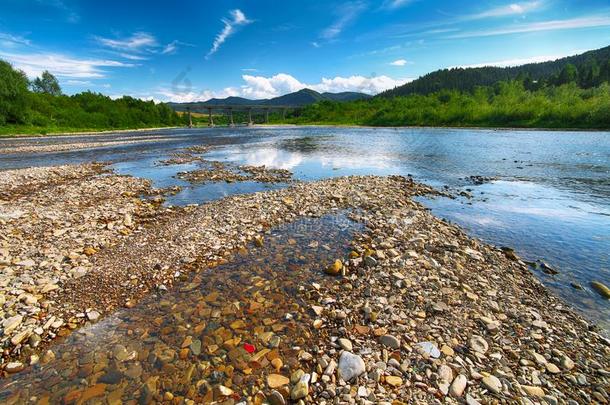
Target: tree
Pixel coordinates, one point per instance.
(13, 94)
(568, 74)
(47, 83)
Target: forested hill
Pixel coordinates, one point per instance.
(588, 69)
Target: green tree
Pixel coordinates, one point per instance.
(46, 83)
(13, 95)
(568, 74)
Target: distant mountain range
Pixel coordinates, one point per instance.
(592, 68)
(298, 98)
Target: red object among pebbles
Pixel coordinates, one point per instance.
(249, 348)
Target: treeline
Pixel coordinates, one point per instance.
(588, 70)
(40, 106)
(506, 104)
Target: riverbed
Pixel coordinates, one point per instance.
(544, 193)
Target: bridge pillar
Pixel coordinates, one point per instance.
(250, 122)
(211, 119)
(231, 124)
(266, 116)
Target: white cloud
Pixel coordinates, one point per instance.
(347, 13)
(131, 56)
(78, 82)
(573, 23)
(503, 11)
(12, 41)
(137, 42)
(238, 18)
(368, 85)
(172, 47)
(61, 65)
(399, 62)
(394, 4)
(523, 61)
(260, 87)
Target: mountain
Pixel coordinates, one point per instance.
(298, 98)
(231, 101)
(592, 68)
(345, 96)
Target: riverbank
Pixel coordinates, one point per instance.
(415, 311)
(20, 132)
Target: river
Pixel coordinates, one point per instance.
(544, 193)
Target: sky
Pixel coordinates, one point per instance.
(195, 50)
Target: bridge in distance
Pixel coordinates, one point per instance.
(229, 109)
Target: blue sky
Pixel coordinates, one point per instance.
(194, 50)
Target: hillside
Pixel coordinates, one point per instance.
(298, 98)
(591, 69)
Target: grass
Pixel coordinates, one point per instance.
(16, 131)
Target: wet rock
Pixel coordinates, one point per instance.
(14, 367)
(277, 380)
(601, 289)
(335, 268)
(93, 316)
(275, 398)
(301, 388)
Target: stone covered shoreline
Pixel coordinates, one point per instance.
(418, 312)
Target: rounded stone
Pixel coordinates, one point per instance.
(350, 366)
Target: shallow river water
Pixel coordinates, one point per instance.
(544, 193)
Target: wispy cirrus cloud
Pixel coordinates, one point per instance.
(138, 41)
(594, 21)
(450, 23)
(63, 66)
(139, 45)
(12, 41)
(395, 4)
(346, 14)
(238, 18)
(504, 11)
(173, 46)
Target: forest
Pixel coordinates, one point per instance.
(39, 107)
(589, 69)
(506, 104)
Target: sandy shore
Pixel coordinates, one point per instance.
(416, 312)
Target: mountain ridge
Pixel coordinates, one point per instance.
(298, 98)
(466, 79)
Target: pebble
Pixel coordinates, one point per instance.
(350, 366)
(345, 344)
(390, 341)
(275, 398)
(430, 349)
(478, 344)
(458, 386)
(492, 383)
